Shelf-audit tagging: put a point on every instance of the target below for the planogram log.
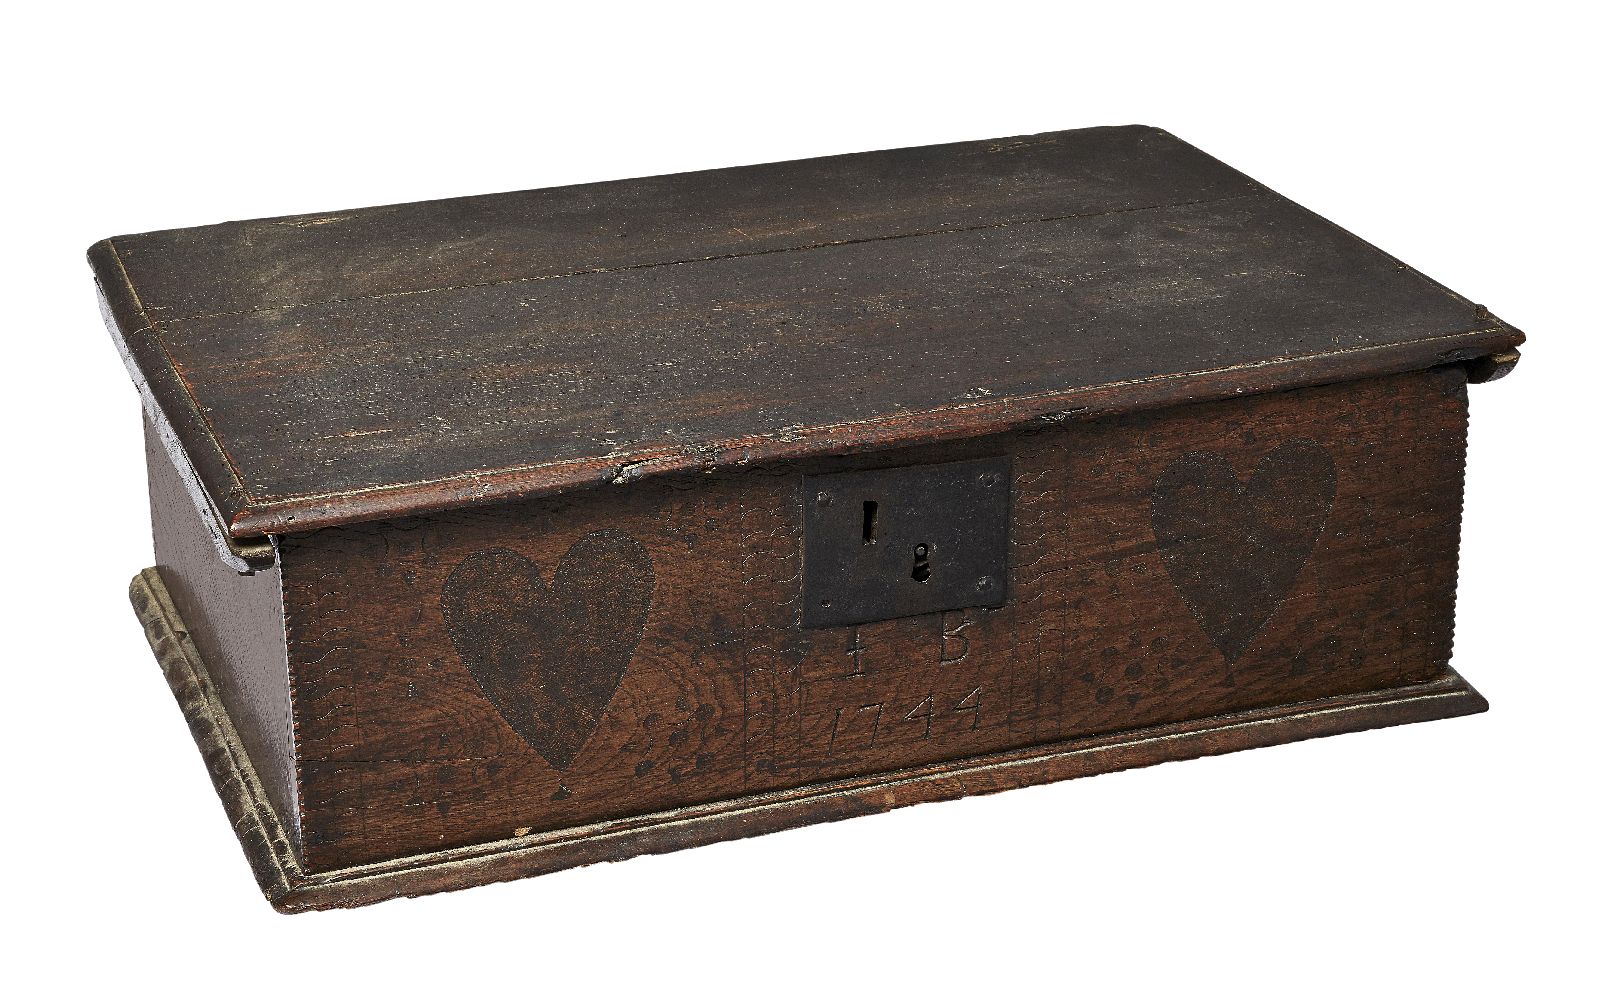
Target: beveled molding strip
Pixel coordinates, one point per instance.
(290, 889)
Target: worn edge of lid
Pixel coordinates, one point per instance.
(219, 490)
(244, 555)
(308, 512)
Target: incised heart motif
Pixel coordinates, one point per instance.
(1233, 551)
(550, 657)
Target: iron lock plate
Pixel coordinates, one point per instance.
(892, 543)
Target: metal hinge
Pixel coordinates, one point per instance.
(1492, 367)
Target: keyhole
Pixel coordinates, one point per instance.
(868, 523)
(921, 571)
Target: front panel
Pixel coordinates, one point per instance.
(486, 674)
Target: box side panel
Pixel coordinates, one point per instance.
(237, 624)
(484, 674)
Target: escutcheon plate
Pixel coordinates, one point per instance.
(892, 543)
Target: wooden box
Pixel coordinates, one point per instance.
(503, 534)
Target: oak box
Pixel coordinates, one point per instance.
(502, 534)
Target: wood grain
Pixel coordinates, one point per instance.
(402, 751)
(656, 221)
(532, 470)
(1233, 552)
(237, 624)
(550, 656)
(347, 367)
(291, 889)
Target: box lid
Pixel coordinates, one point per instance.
(345, 366)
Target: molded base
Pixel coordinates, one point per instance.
(290, 889)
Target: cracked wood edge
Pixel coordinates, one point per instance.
(290, 889)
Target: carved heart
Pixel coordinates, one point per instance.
(550, 658)
(1231, 551)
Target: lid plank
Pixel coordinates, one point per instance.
(388, 361)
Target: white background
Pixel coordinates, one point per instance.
(1452, 858)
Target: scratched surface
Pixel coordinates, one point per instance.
(405, 745)
(355, 365)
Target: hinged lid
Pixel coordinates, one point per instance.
(324, 369)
